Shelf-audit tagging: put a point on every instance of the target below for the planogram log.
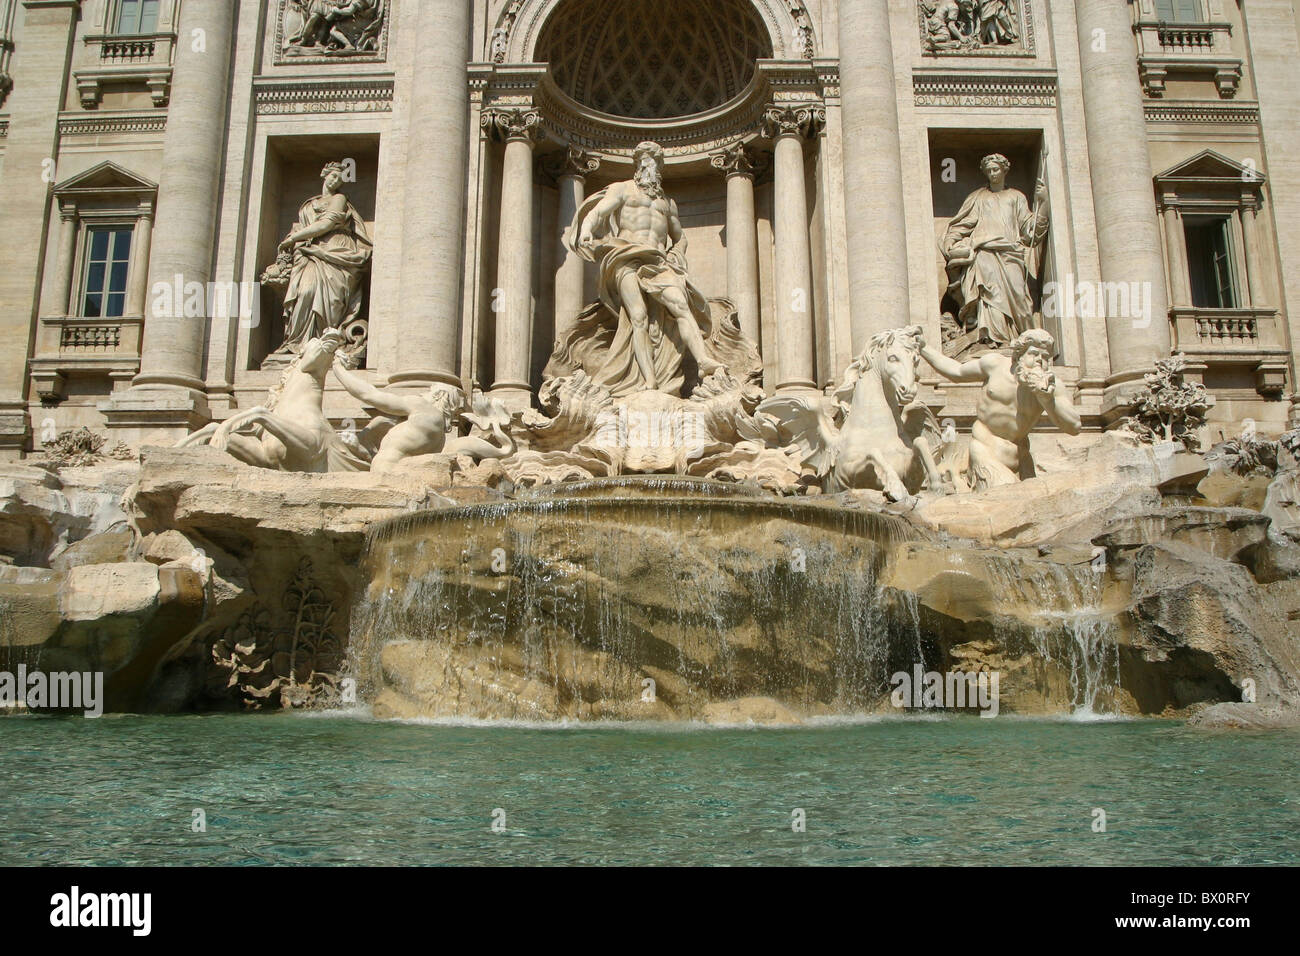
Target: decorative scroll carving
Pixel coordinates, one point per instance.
(738, 160)
(806, 121)
(574, 161)
(508, 124)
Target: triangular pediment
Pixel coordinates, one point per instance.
(1209, 166)
(106, 177)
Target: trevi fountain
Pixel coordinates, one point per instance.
(650, 369)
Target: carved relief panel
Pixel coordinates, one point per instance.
(324, 30)
(976, 27)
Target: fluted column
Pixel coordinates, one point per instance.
(570, 171)
(137, 289)
(513, 297)
(188, 196)
(433, 216)
(1128, 237)
(62, 291)
(742, 237)
(796, 355)
(1254, 274)
(873, 172)
(1179, 289)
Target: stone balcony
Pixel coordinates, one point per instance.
(77, 346)
(1187, 48)
(136, 58)
(1250, 337)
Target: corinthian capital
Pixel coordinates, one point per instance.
(507, 124)
(805, 120)
(572, 162)
(737, 160)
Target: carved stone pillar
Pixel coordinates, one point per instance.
(796, 346)
(169, 391)
(1254, 267)
(742, 237)
(62, 291)
(433, 233)
(875, 219)
(570, 170)
(1176, 243)
(513, 298)
(137, 289)
(1128, 237)
(191, 164)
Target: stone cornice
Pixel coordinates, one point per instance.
(687, 139)
(961, 88)
(292, 95)
(125, 121)
(1210, 111)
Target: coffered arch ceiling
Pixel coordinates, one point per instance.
(653, 59)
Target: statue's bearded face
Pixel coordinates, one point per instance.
(649, 175)
(1034, 367)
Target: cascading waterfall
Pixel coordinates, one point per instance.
(564, 606)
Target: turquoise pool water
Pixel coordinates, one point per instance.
(323, 789)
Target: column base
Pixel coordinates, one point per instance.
(155, 414)
(415, 377)
(15, 428)
(799, 388)
(516, 398)
(1119, 394)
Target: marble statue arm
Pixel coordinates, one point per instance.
(363, 391)
(950, 368)
(676, 236)
(1060, 409)
(596, 224)
(959, 232)
(322, 226)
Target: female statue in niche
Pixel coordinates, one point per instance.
(325, 260)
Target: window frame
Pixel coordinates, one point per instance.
(1198, 17)
(89, 227)
(1210, 280)
(116, 14)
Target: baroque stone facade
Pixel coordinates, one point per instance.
(155, 155)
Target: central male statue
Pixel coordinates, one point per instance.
(631, 230)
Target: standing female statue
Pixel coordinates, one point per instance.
(330, 252)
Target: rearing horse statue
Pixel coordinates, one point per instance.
(887, 441)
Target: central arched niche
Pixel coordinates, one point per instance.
(653, 59)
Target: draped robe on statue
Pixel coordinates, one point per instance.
(325, 285)
(655, 271)
(1000, 228)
